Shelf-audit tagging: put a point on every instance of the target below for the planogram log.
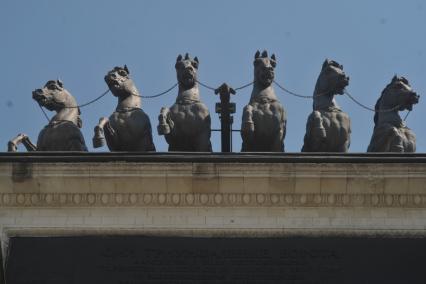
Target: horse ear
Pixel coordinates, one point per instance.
(126, 69)
(196, 62)
(186, 56)
(257, 54)
(326, 63)
(273, 61)
(264, 54)
(395, 78)
(179, 58)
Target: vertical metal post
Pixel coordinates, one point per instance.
(225, 108)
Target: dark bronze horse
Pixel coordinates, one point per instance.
(328, 128)
(390, 132)
(63, 131)
(186, 124)
(128, 128)
(264, 119)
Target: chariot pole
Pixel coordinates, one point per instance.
(225, 108)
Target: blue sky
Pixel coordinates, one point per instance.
(79, 41)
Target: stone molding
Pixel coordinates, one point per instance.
(210, 200)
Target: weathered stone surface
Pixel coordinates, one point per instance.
(212, 198)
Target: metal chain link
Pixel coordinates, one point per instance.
(206, 86)
(107, 91)
(346, 93)
(371, 109)
(244, 86)
(298, 95)
(235, 89)
(91, 102)
(292, 93)
(157, 95)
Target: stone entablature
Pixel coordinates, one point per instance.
(211, 194)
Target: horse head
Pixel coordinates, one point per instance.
(119, 82)
(398, 93)
(264, 68)
(54, 97)
(186, 71)
(332, 78)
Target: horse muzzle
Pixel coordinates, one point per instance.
(39, 96)
(414, 98)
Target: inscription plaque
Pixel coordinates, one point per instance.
(141, 259)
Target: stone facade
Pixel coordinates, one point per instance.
(212, 197)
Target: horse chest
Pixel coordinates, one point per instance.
(129, 123)
(58, 137)
(189, 115)
(267, 114)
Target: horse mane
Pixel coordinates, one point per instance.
(377, 105)
(376, 108)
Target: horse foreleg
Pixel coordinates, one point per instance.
(12, 145)
(397, 144)
(100, 129)
(247, 127)
(316, 134)
(165, 123)
(278, 142)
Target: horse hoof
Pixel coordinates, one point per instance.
(98, 142)
(11, 147)
(163, 129)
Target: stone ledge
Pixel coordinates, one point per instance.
(213, 232)
(185, 157)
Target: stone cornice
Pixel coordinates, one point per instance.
(133, 169)
(185, 157)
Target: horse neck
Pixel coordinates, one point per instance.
(67, 114)
(130, 101)
(260, 92)
(192, 94)
(323, 99)
(391, 117)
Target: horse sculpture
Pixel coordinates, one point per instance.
(128, 128)
(264, 119)
(328, 128)
(186, 124)
(63, 131)
(390, 132)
